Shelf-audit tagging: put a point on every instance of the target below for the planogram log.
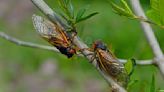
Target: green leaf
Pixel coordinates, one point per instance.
(129, 66)
(131, 83)
(122, 11)
(156, 13)
(67, 8)
(154, 16)
(68, 13)
(87, 17)
(66, 2)
(71, 9)
(152, 88)
(80, 14)
(126, 7)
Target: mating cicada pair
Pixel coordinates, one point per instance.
(108, 63)
(59, 38)
(55, 35)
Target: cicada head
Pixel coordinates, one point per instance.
(99, 45)
(70, 52)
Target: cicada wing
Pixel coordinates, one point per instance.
(109, 63)
(47, 29)
(111, 66)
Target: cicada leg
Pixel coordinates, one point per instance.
(81, 50)
(97, 60)
(71, 34)
(89, 49)
(92, 58)
(74, 34)
(90, 54)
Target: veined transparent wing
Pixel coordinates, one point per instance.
(47, 29)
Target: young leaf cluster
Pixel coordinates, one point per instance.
(72, 18)
(155, 14)
(123, 9)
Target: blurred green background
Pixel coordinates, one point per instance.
(25, 69)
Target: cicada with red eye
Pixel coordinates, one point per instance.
(55, 35)
(109, 64)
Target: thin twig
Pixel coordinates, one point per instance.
(159, 58)
(139, 62)
(50, 48)
(26, 44)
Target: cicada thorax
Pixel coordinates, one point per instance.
(55, 35)
(109, 64)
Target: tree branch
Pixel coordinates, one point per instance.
(50, 48)
(26, 44)
(76, 41)
(54, 17)
(147, 29)
(159, 58)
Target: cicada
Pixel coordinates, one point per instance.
(109, 64)
(55, 35)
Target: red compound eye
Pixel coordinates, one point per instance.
(94, 46)
(72, 51)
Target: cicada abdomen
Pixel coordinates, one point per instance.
(55, 35)
(109, 64)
